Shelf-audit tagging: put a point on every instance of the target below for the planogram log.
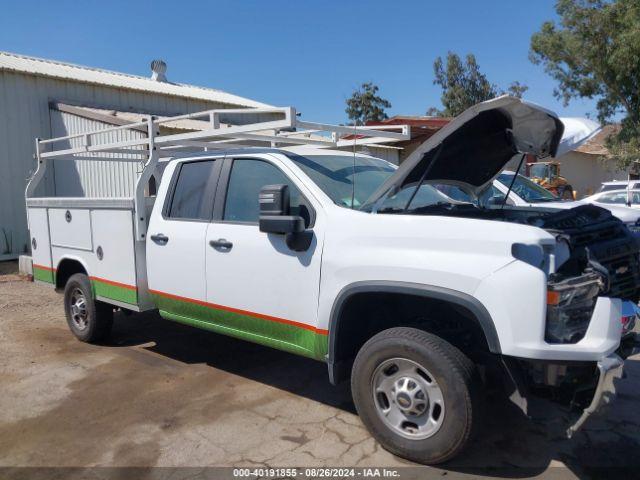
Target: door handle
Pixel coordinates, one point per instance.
(160, 238)
(221, 244)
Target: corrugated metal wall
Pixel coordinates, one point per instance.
(24, 115)
(389, 154)
(92, 178)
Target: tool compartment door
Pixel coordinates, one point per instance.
(114, 273)
(40, 245)
(71, 228)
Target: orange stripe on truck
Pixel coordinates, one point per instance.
(242, 312)
(115, 284)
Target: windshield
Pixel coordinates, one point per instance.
(539, 170)
(408, 199)
(607, 187)
(526, 189)
(345, 177)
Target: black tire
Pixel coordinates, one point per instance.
(95, 321)
(455, 375)
(567, 193)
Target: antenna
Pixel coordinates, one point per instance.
(353, 181)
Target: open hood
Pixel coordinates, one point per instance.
(474, 147)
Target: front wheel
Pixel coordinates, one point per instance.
(567, 193)
(417, 394)
(89, 320)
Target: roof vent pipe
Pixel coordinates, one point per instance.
(158, 70)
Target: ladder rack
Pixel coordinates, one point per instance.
(207, 130)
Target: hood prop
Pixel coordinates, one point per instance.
(513, 180)
(424, 175)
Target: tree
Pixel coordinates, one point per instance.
(463, 85)
(594, 52)
(365, 105)
(517, 89)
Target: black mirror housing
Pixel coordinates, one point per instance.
(274, 200)
(281, 224)
(274, 211)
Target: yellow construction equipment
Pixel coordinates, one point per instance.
(547, 175)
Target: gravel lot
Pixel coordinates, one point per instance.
(164, 394)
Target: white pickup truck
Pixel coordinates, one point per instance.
(418, 299)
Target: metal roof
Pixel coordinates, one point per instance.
(597, 144)
(97, 76)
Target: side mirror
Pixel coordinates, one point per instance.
(274, 211)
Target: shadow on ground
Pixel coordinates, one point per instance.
(508, 445)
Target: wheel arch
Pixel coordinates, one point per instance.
(479, 313)
(67, 266)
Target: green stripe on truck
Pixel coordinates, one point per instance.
(43, 274)
(114, 290)
(282, 334)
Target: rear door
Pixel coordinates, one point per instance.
(257, 287)
(177, 231)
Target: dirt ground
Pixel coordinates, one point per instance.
(164, 394)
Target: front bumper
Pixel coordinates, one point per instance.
(609, 369)
(588, 385)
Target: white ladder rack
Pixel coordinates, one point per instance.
(216, 129)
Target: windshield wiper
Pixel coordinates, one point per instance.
(391, 210)
(442, 206)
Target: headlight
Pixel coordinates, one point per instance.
(570, 304)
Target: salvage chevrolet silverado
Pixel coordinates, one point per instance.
(418, 299)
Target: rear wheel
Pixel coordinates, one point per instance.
(89, 320)
(416, 393)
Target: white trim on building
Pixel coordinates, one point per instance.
(97, 76)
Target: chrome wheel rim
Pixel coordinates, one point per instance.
(407, 398)
(78, 309)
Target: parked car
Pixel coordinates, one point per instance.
(624, 198)
(619, 185)
(418, 300)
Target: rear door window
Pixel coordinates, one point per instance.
(192, 195)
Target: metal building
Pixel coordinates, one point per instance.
(45, 98)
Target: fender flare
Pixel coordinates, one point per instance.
(428, 291)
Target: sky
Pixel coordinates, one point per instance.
(307, 54)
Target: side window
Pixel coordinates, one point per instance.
(614, 198)
(245, 181)
(192, 192)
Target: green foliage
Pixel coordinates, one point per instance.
(463, 85)
(517, 89)
(594, 52)
(365, 105)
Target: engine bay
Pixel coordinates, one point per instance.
(597, 241)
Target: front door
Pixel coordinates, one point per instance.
(257, 287)
(176, 238)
